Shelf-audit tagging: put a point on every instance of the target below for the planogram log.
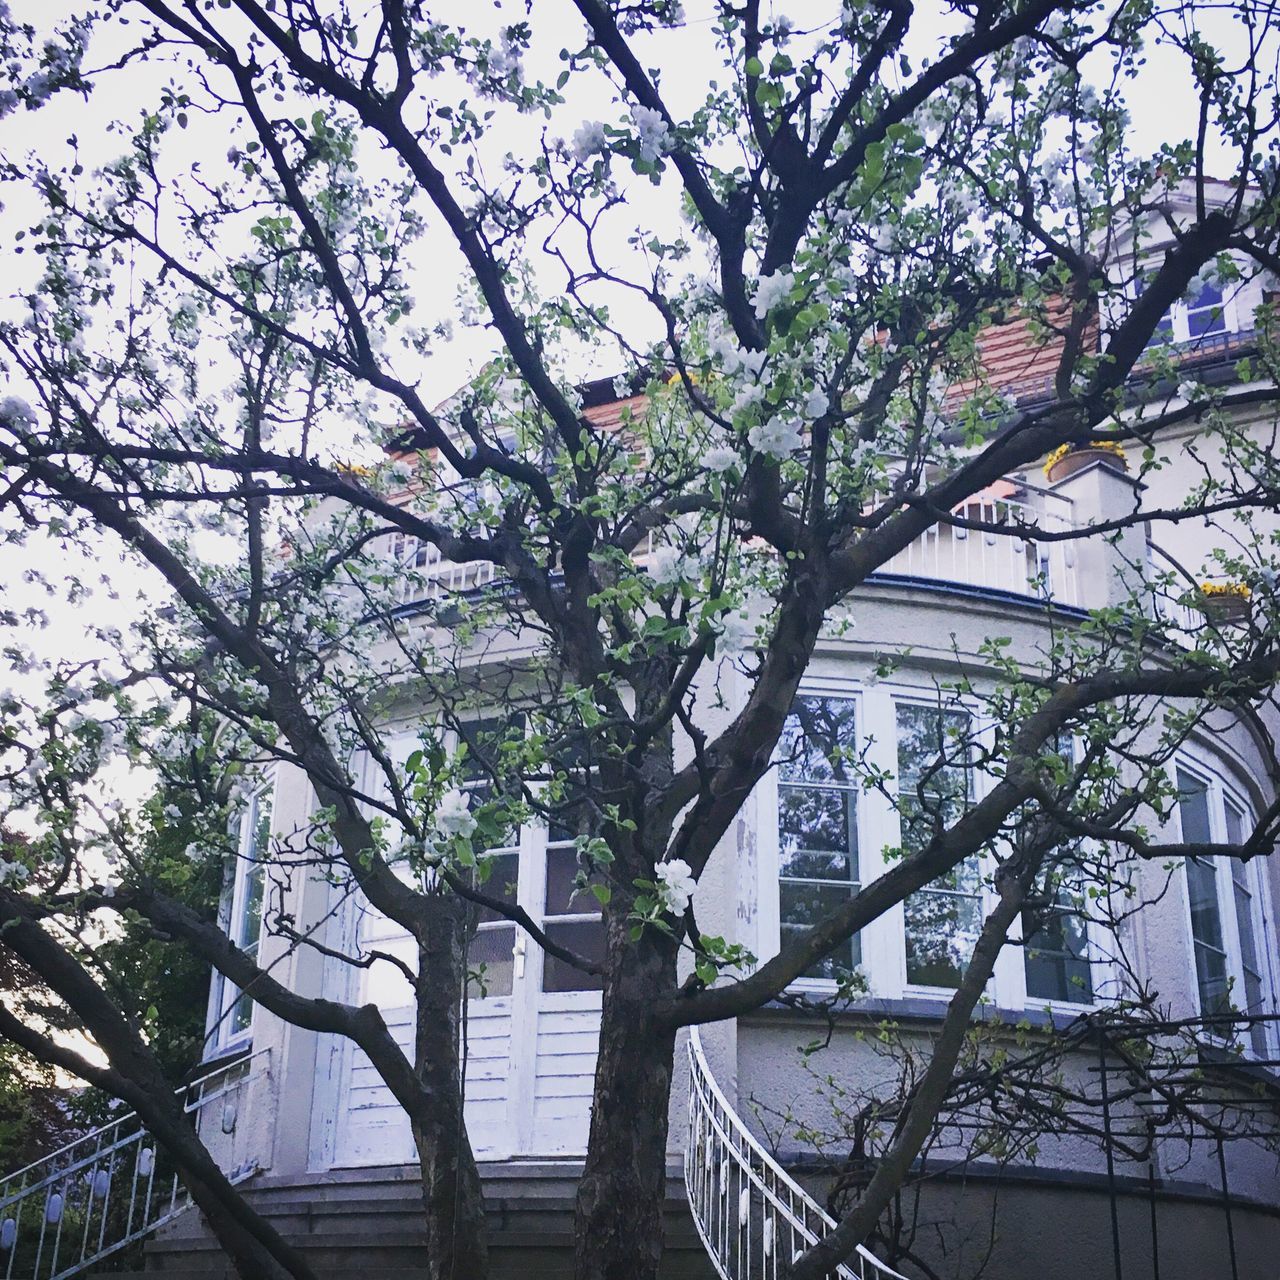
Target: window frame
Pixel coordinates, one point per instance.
(221, 1035)
(985, 898)
(1178, 314)
(1219, 793)
(883, 958)
(768, 834)
(844, 693)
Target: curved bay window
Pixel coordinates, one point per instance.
(1228, 925)
(818, 863)
(935, 786)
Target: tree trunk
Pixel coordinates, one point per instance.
(452, 1199)
(618, 1228)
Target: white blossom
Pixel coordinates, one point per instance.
(779, 437)
(772, 289)
(17, 412)
(589, 139)
(172, 813)
(14, 873)
(453, 815)
(505, 59)
(652, 133)
(747, 399)
(816, 403)
(667, 566)
(737, 633)
(675, 885)
(1190, 391)
(719, 458)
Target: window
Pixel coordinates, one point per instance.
(935, 785)
(231, 1009)
(1228, 925)
(1056, 948)
(491, 957)
(818, 864)
(1212, 311)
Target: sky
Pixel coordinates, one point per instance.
(1161, 112)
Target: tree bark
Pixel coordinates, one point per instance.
(618, 1229)
(452, 1198)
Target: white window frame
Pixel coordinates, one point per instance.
(1218, 792)
(1239, 299)
(883, 959)
(978, 731)
(220, 1036)
(767, 826)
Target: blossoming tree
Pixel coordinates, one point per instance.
(792, 247)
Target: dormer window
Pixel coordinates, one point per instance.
(1209, 309)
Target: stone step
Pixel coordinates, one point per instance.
(369, 1223)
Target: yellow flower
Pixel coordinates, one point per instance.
(1225, 589)
(1098, 446)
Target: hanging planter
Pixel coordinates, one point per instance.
(1225, 602)
(1067, 459)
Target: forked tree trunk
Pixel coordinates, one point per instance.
(618, 1230)
(452, 1199)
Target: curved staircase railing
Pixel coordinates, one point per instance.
(100, 1193)
(752, 1216)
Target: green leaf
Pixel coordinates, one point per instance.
(755, 68)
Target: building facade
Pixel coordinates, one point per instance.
(329, 1140)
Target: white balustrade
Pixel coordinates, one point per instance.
(1006, 559)
(91, 1198)
(753, 1218)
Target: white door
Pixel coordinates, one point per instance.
(532, 1021)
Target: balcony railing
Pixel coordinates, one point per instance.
(1008, 560)
(116, 1185)
(427, 575)
(1003, 559)
(753, 1218)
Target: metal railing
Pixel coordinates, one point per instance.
(110, 1188)
(1005, 561)
(427, 575)
(753, 1218)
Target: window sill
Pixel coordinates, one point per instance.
(223, 1056)
(921, 1008)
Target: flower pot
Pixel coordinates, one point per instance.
(1228, 608)
(1078, 459)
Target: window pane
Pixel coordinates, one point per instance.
(249, 925)
(490, 961)
(1193, 809)
(562, 899)
(1205, 314)
(1236, 826)
(500, 884)
(1211, 980)
(1057, 958)
(241, 1014)
(801, 905)
(942, 929)
(934, 785)
(817, 832)
(586, 939)
(1202, 889)
(933, 755)
(818, 741)
(1244, 923)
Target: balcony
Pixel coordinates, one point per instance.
(1010, 563)
(1005, 561)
